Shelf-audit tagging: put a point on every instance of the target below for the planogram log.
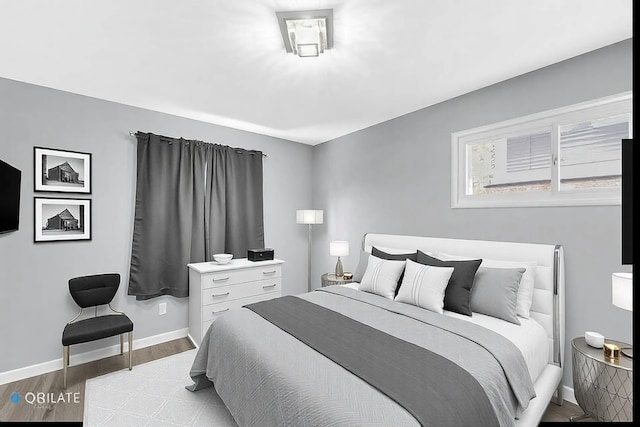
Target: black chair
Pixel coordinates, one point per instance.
(92, 291)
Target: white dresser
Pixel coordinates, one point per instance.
(215, 289)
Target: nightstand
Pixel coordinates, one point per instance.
(329, 279)
(603, 387)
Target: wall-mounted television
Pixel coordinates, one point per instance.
(627, 200)
(9, 197)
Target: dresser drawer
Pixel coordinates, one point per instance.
(212, 311)
(230, 277)
(242, 290)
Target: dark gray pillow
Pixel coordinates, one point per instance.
(362, 266)
(413, 256)
(457, 294)
(495, 291)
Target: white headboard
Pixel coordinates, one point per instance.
(548, 295)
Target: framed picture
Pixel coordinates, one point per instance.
(57, 220)
(61, 171)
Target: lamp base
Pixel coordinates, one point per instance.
(339, 270)
(627, 351)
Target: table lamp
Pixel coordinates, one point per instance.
(622, 296)
(310, 217)
(339, 248)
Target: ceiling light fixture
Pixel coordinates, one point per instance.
(306, 33)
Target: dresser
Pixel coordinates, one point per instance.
(215, 289)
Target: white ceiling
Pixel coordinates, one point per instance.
(223, 61)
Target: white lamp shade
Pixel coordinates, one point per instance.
(309, 216)
(622, 290)
(339, 248)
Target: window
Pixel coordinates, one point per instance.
(568, 156)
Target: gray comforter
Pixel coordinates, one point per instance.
(268, 378)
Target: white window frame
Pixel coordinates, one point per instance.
(611, 105)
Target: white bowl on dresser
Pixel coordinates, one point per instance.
(222, 258)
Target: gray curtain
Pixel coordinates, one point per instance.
(193, 199)
(233, 207)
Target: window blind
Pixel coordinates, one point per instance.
(527, 152)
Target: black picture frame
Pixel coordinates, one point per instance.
(61, 171)
(61, 220)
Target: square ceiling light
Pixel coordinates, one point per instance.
(308, 32)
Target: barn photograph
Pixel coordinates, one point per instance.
(58, 169)
(62, 171)
(64, 221)
(58, 219)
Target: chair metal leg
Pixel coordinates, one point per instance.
(130, 350)
(121, 343)
(65, 364)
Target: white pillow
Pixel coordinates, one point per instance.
(381, 276)
(424, 285)
(525, 290)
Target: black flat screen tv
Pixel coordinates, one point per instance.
(9, 197)
(628, 158)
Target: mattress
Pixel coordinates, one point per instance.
(529, 336)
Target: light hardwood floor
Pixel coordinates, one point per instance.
(77, 375)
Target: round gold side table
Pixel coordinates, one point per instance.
(329, 279)
(603, 387)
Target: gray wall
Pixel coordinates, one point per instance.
(395, 177)
(34, 300)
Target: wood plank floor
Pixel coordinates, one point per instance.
(77, 375)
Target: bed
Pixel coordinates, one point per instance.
(294, 363)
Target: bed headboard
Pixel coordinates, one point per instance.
(548, 295)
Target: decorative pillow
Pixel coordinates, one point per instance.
(525, 290)
(495, 291)
(424, 286)
(395, 255)
(381, 276)
(362, 266)
(400, 255)
(458, 293)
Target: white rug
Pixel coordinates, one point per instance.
(153, 394)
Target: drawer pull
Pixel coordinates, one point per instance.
(222, 279)
(269, 272)
(268, 286)
(219, 311)
(219, 295)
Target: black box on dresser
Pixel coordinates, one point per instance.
(262, 254)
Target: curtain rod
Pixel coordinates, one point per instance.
(133, 133)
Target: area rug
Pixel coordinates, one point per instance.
(153, 394)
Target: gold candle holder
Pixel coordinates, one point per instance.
(611, 351)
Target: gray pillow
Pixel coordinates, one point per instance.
(362, 266)
(495, 291)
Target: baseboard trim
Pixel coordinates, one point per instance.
(569, 395)
(192, 341)
(89, 356)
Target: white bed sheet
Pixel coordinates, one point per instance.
(530, 337)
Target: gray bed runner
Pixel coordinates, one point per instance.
(393, 366)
